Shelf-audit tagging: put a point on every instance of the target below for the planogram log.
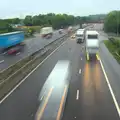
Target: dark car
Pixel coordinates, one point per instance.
(60, 31)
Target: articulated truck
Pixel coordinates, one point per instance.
(12, 42)
(46, 32)
(80, 35)
(92, 43)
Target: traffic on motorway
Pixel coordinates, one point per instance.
(75, 81)
(13, 50)
(30, 46)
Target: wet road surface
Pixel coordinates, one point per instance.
(31, 45)
(87, 92)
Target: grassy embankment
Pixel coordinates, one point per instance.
(114, 48)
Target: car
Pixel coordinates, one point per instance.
(60, 31)
(73, 36)
(48, 36)
(15, 50)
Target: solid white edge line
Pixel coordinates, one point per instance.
(79, 71)
(77, 96)
(18, 53)
(30, 74)
(43, 95)
(110, 88)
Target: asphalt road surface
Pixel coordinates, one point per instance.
(88, 96)
(23, 103)
(32, 45)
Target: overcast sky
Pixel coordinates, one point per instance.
(19, 8)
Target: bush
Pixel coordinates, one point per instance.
(36, 28)
(5, 27)
(118, 51)
(31, 31)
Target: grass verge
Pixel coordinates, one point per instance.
(113, 48)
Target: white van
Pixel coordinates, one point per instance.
(80, 36)
(92, 42)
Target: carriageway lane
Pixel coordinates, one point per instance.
(89, 97)
(23, 103)
(54, 107)
(32, 45)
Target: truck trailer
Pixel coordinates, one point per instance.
(80, 35)
(92, 43)
(11, 42)
(70, 29)
(46, 32)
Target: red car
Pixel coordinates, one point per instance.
(14, 50)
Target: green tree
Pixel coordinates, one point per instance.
(13, 21)
(28, 20)
(5, 27)
(112, 22)
(16, 21)
(55, 20)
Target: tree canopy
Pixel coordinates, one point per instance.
(112, 22)
(55, 20)
(5, 27)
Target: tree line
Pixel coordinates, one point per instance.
(55, 20)
(112, 22)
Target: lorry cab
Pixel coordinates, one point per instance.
(92, 42)
(80, 36)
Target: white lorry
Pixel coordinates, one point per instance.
(80, 36)
(46, 32)
(92, 43)
(70, 29)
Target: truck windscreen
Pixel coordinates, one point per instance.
(79, 35)
(92, 36)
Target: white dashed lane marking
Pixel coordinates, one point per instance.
(79, 71)
(77, 96)
(1, 61)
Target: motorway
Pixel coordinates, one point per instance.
(89, 93)
(32, 45)
(88, 98)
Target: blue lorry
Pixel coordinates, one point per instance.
(12, 42)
